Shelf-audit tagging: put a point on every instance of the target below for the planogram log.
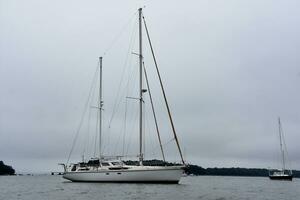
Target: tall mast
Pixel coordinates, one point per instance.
(141, 87)
(100, 108)
(281, 145)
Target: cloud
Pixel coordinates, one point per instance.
(230, 69)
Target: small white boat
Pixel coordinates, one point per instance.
(112, 169)
(281, 175)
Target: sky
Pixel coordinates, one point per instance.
(230, 69)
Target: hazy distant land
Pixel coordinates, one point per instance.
(5, 169)
(200, 171)
(189, 170)
(234, 171)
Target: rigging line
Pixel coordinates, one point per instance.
(127, 85)
(166, 143)
(96, 134)
(287, 154)
(124, 133)
(153, 112)
(106, 138)
(104, 135)
(134, 116)
(281, 146)
(116, 149)
(118, 96)
(147, 126)
(163, 91)
(119, 135)
(119, 34)
(83, 114)
(86, 147)
(144, 128)
(286, 151)
(131, 79)
(133, 126)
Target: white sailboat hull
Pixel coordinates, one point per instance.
(137, 174)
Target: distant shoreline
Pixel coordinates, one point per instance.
(230, 171)
(6, 169)
(191, 170)
(233, 171)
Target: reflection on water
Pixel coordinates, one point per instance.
(202, 187)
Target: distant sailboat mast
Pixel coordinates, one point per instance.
(281, 145)
(283, 173)
(100, 109)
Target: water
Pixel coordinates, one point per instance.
(202, 187)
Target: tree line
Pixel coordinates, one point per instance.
(200, 171)
(5, 169)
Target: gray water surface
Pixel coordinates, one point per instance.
(42, 187)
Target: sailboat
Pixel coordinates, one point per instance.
(112, 168)
(282, 174)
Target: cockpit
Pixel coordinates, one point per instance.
(96, 164)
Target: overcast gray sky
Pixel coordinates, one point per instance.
(230, 69)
